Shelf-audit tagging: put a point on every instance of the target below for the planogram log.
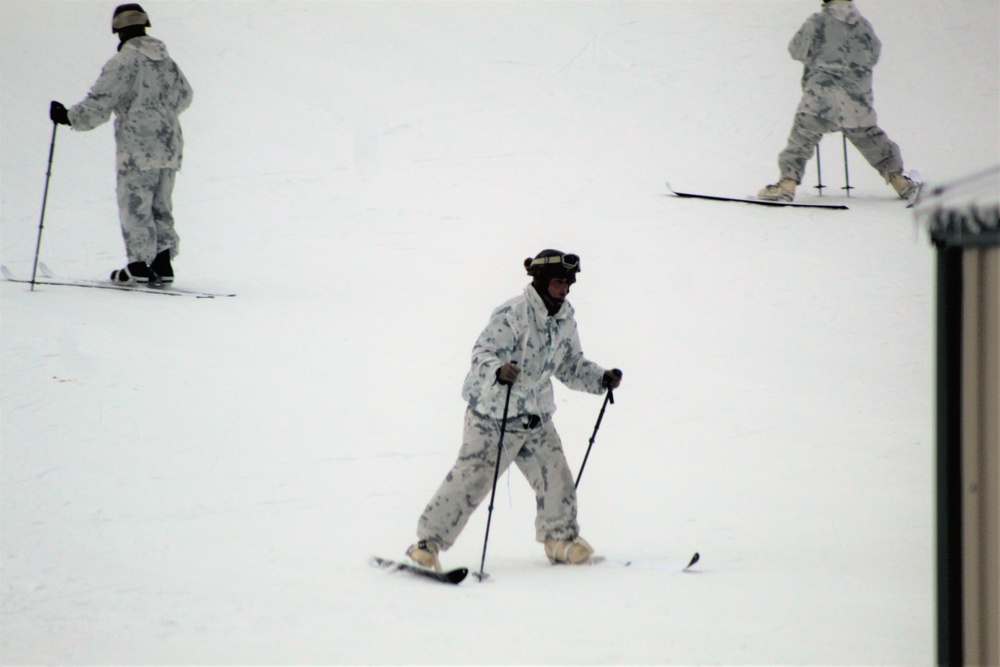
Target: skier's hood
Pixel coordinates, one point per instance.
(843, 10)
(148, 46)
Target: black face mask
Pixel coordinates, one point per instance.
(130, 32)
(541, 285)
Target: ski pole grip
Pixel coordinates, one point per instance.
(611, 396)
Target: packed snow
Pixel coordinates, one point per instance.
(195, 481)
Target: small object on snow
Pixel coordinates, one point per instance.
(449, 577)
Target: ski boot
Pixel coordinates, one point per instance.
(784, 190)
(905, 187)
(425, 554)
(134, 273)
(571, 552)
(162, 268)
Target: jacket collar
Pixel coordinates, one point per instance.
(538, 306)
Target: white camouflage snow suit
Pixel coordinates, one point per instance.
(544, 346)
(147, 91)
(838, 48)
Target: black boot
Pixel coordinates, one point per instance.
(162, 268)
(135, 272)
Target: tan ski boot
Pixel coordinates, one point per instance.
(784, 190)
(571, 552)
(425, 554)
(904, 186)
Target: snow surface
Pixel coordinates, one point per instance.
(202, 481)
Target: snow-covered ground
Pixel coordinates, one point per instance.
(202, 481)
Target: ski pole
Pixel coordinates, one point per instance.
(608, 398)
(496, 474)
(847, 176)
(819, 172)
(45, 198)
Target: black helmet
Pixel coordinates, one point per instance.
(549, 264)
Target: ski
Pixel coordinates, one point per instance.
(47, 278)
(673, 566)
(760, 202)
(448, 577)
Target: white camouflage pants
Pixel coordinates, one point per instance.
(873, 143)
(145, 205)
(539, 456)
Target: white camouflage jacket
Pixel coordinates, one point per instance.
(839, 48)
(521, 330)
(147, 91)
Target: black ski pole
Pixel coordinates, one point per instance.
(819, 173)
(496, 474)
(45, 198)
(608, 398)
(847, 176)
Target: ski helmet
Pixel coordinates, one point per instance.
(129, 15)
(549, 264)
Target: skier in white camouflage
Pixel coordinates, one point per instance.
(838, 49)
(528, 340)
(147, 91)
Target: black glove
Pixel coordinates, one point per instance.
(58, 113)
(508, 373)
(611, 379)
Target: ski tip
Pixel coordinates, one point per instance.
(694, 559)
(455, 576)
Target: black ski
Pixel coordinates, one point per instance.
(167, 290)
(647, 565)
(449, 577)
(760, 202)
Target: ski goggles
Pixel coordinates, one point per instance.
(568, 262)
